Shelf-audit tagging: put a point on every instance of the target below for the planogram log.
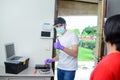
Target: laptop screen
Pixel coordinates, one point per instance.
(10, 52)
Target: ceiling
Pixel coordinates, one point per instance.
(90, 1)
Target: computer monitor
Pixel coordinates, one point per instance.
(10, 52)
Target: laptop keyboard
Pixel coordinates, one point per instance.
(15, 58)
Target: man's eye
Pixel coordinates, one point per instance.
(56, 26)
(60, 25)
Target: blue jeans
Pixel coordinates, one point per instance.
(65, 75)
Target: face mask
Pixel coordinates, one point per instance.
(60, 30)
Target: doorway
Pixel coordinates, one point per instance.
(81, 18)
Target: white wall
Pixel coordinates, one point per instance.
(20, 23)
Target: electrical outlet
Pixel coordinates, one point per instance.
(47, 48)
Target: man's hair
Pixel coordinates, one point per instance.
(112, 30)
(59, 20)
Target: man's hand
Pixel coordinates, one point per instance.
(47, 61)
(57, 45)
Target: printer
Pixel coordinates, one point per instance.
(14, 64)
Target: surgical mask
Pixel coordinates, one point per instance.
(60, 30)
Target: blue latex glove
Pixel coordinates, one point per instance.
(47, 61)
(57, 45)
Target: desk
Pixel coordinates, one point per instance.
(27, 74)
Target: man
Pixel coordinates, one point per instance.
(109, 67)
(67, 44)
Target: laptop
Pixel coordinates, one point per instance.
(10, 52)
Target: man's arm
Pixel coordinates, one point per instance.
(73, 52)
(56, 58)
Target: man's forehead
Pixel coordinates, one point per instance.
(59, 24)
